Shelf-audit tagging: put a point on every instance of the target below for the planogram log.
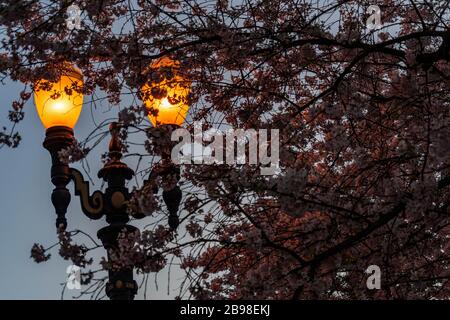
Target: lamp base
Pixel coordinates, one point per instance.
(56, 139)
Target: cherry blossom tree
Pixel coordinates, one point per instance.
(364, 120)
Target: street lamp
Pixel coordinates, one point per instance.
(59, 105)
(166, 97)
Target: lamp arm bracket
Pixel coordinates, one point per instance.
(92, 206)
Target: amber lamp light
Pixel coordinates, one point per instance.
(165, 95)
(58, 103)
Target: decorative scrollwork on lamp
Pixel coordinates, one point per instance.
(92, 206)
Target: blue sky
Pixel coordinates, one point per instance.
(27, 215)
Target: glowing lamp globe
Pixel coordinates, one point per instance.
(58, 103)
(165, 95)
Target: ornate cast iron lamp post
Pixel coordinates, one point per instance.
(59, 105)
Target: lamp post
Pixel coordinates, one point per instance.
(59, 105)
